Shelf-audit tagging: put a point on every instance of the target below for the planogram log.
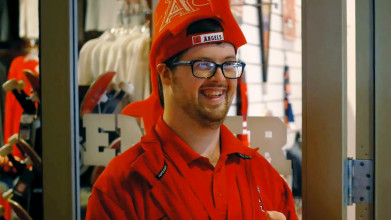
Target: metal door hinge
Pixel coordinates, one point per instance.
(358, 181)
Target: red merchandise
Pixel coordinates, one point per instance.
(163, 177)
(13, 111)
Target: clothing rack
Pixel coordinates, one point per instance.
(257, 4)
(137, 6)
(134, 12)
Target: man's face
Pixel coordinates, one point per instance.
(205, 100)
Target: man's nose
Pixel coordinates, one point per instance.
(218, 76)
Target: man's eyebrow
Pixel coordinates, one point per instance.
(225, 58)
(230, 57)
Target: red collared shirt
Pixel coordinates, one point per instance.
(162, 177)
(209, 183)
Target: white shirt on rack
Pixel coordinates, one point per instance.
(117, 56)
(85, 75)
(137, 66)
(102, 15)
(124, 51)
(28, 19)
(98, 54)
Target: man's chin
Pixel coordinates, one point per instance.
(212, 118)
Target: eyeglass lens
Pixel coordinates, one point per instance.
(207, 69)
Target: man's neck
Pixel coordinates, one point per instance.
(203, 140)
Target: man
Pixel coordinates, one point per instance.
(189, 165)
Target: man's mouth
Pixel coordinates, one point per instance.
(212, 93)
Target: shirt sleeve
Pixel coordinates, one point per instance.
(101, 206)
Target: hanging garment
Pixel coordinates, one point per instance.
(99, 54)
(116, 57)
(123, 50)
(85, 76)
(13, 111)
(101, 14)
(28, 19)
(137, 67)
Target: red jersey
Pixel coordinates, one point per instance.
(163, 178)
(13, 110)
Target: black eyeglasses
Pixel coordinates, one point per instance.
(207, 69)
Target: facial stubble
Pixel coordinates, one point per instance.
(206, 116)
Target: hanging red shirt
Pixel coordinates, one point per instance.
(162, 177)
(13, 110)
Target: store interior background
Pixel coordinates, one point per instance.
(265, 99)
(282, 52)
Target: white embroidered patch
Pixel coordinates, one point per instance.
(207, 38)
(179, 8)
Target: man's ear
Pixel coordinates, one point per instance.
(165, 73)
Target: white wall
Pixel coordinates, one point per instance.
(281, 52)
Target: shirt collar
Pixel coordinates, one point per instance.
(230, 144)
(171, 141)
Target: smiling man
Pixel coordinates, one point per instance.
(189, 165)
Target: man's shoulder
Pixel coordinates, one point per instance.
(126, 159)
(147, 147)
(141, 160)
(127, 173)
(120, 166)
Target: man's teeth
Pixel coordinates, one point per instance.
(213, 93)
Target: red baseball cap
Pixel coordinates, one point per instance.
(171, 19)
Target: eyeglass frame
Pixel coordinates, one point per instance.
(192, 62)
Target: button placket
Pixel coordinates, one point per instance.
(220, 187)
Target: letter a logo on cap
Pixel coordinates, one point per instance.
(177, 8)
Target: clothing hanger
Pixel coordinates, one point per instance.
(136, 13)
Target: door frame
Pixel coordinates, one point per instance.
(324, 108)
(382, 137)
(58, 68)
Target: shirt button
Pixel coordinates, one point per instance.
(220, 194)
